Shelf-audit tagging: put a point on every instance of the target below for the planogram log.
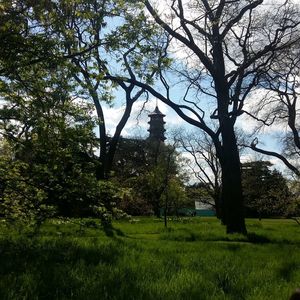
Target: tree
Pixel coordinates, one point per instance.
(177, 197)
(131, 158)
(21, 201)
(104, 37)
(52, 142)
(90, 38)
(151, 170)
(55, 144)
(281, 86)
(23, 44)
(266, 192)
(205, 166)
(50, 40)
(293, 209)
(230, 43)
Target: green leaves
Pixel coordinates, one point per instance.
(21, 200)
(265, 191)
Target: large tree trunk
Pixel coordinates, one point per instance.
(218, 203)
(228, 154)
(232, 196)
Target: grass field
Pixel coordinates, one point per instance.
(192, 259)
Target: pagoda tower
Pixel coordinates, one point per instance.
(157, 128)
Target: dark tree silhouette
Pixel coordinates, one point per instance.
(227, 45)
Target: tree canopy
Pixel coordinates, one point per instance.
(266, 192)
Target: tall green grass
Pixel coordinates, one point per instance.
(192, 259)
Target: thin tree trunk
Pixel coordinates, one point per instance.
(115, 139)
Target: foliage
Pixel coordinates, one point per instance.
(133, 202)
(100, 39)
(151, 173)
(131, 159)
(161, 183)
(24, 44)
(110, 195)
(293, 209)
(22, 202)
(175, 196)
(50, 138)
(266, 191)
(61, 50)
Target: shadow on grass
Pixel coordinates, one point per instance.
(17, 253)
(251, 237)
(186, 235)
(181, 235)
(43, 268)
(70, 232)
(258, 238)
(111, 231)
(287, 270)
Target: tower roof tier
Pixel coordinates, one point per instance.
(156, 112)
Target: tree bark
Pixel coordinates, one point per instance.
(231, 195)
(218, 203)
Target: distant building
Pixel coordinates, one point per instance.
(133, 153)
(204, 209)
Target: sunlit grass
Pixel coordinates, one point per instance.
(191, 259)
